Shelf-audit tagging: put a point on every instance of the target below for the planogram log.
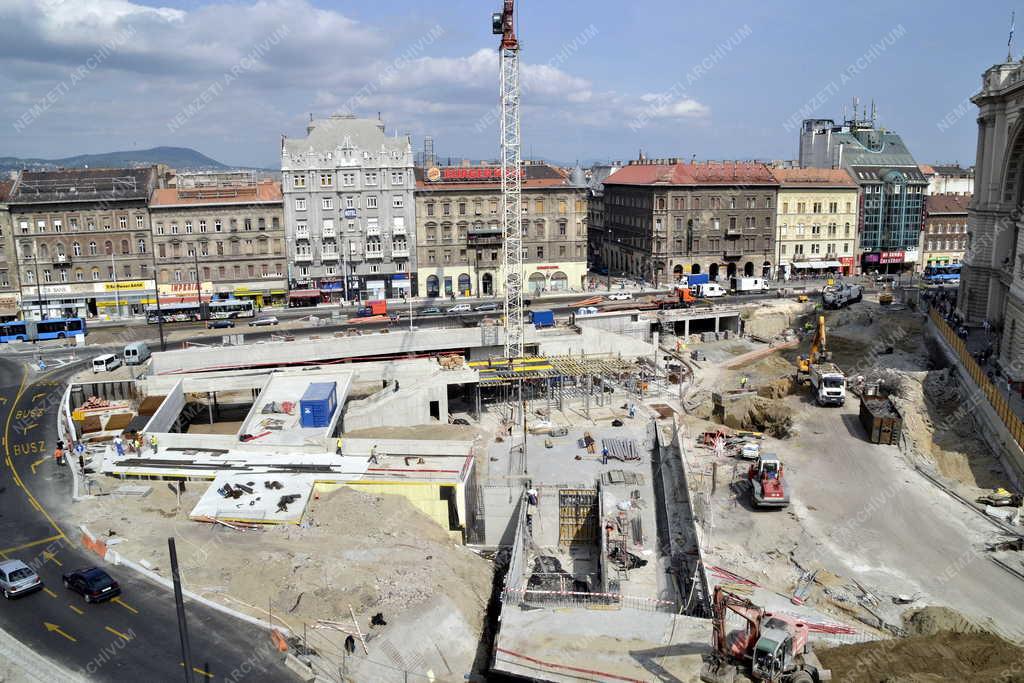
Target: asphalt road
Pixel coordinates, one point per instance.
(134, 637)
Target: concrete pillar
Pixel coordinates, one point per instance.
(686, 328)
(717, 321)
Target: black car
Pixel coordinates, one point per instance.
(93, 584)
(219, 324)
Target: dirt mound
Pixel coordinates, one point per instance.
(946, 656)
(780, 388)
(759, 414)
(927, 621)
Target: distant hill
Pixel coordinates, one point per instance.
(181, 158)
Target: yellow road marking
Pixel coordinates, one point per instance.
(32, 544)
(37, 395)
(198, 670)
(49, 592)
(76, 610)
(53, 628)
(118, 633)
(14, 472)
(125, 605)
(26, 428)
(47, 555)
(38, 462)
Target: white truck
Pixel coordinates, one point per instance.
(708, 290)
(749, 284)
(829, 384)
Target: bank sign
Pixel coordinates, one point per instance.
(460, 174)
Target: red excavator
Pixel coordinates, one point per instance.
(770, 647)
(768, 486)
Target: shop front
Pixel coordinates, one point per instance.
(261, 292)
(814, 269)
(9, 307)
(891, 262)
(87, 300)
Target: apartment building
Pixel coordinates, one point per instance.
(944, 237)
(459, 232)
(816, 222)
(348, 209)
(665, 218)
(220, 235)
(9, 296)
(83, 241)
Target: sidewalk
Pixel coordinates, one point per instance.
(977, 341)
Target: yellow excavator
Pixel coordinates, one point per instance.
(819, 353)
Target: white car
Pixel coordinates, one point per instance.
(620, 296)
(460, 308)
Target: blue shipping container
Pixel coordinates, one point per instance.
(542, 318)
(696, 279)
(317, 405)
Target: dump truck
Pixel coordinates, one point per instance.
(829, 384)
(841, 296)
(768, 486)
(769, 647)
(681, 298)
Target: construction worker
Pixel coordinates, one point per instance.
(604, 456)
(119, 445)
(58, 453)
(337, 445)
(373, 454)
(743, 382)
(153, 443)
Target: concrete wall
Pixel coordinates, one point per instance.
(596, 341)
(627, 324)
(410, 405)
(501, 511)
(166, 415)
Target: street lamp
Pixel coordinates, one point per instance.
(156, 294)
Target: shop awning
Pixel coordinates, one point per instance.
(816, 264)
(304, 294)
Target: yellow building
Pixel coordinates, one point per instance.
(816, 222)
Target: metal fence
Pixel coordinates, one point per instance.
(585, 600)
(996, 399)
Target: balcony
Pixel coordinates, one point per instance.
(329, 255)
(302, 233)
(398, 229)
(61, 260)
(733, 249)
(400, 252)
(329, 232)
(303, 257)
(374, 252)
(372, 230)
(734, 232)
(487, 235)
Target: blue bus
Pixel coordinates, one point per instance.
(41, 330)
(946, 274)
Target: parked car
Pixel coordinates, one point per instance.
(430, 310)
(17, 578)
(620, 296)
(460, 308)
(486, 308)
(219, 324)
(264, 321)
(92, 583)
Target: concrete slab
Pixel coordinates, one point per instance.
(282, 429)
(262, 505)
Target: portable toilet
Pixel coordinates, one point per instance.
(317, 405)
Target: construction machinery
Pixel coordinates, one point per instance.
(768, 485)
(842, 295)
(828, 383)
(818, 353)
(770, 647)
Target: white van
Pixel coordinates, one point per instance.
(106, 363)
(707, 290)
(136, 353)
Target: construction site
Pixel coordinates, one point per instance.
(805, 488)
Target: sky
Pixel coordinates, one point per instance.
(602, 79)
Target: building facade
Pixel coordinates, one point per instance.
(459, 234)
(892, 187)
(948, 179)
(816, 222)
(666, 218)
(596, 232)
(220, 235)
(348, 209)
(83, 241)
(9, 295)
(944, 237)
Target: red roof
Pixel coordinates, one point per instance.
(926, 169)
(709, 173)
(264, 192)
(947, 203)
(813, 177)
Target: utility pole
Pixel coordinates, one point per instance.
(156, 294)
(186, 648)
(199, 286)
(39, 288)
(117, 293)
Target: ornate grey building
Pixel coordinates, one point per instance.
(348, 209)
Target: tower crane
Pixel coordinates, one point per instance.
(503, 24)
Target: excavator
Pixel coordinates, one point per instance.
(770, 647)
(819, 353)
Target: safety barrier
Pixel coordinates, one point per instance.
(996, 399)
(580, 599)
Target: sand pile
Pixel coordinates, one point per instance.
(943, 646)
(759, 414)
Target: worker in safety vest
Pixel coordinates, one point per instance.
(153, 443)
(338, 446)
(58, 454)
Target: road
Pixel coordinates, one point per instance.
(134, 637)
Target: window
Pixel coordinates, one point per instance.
(348, 179)
(217, 227)
(801, 207)
(397, 177)
(92, 248)
(538, 205)
(430, 208)
(371, 202)
(326, 179)
(563, 207)
(782, 249)
(300, 204)
(846, 230)
(398, 201)
(188, 227)
(298, 180)
(540, 252)
(40, 226)
(73, 222)
(328, 203)
(174, 228)
(815, 248)
(122, 223)
(561, 228)
(370, 178)
(849, 207)
(127, 270)
(767, 202)
(816, 207)
(446, 209)
(57, 225)
(833, 207)
(79, 276)
(139, 221)
(202, 226)
(95, 273)
(785, 207)
(732, 203)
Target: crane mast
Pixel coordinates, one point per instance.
(503, 24)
